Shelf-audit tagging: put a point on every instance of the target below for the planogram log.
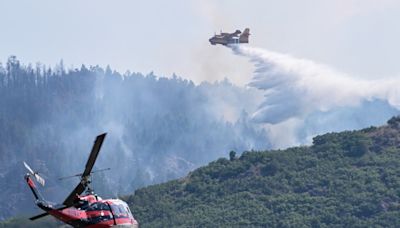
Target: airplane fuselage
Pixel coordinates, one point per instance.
(231, 38)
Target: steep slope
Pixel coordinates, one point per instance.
(348, 179)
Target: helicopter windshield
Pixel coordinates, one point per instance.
(120, 210)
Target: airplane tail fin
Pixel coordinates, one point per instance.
(244, 37)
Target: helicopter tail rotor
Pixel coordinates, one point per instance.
(38, 178)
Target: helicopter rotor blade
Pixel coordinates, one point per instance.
(93, 154)
(69, 201)
(80, 174)
(85, 177)
(67, 177)
(100, 170)
(28, 168)
(39, 179)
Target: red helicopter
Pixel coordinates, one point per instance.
(86, 210)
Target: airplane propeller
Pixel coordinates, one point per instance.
(38, 178)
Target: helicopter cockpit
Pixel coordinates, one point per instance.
(120, 209)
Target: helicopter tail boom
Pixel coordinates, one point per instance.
(40, 201)
(31, 179)
(33, 188)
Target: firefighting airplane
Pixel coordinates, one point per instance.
(88, 209)
(231, 38)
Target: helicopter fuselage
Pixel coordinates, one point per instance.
(99, 213)
(90, 211)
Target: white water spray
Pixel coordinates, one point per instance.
(305, 98)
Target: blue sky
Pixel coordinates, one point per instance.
(359, 37)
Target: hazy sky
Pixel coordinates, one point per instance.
(359, 37)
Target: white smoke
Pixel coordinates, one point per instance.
(306, 98)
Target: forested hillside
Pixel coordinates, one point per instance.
(158, 128)
(348, 179)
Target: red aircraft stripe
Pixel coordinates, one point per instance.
(98, 213)
(125, 221)
(31, 183)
